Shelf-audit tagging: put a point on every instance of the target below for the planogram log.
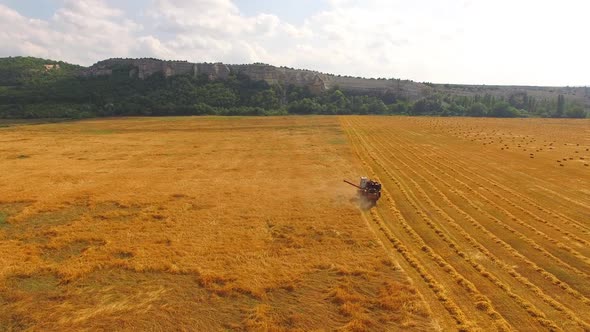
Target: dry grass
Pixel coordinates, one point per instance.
(496, 235)
(194, 224)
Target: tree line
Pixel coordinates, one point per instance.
(29, 91)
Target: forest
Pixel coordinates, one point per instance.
(28, 89)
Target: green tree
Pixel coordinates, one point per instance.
(477, 109)
(202, 109)
(338, 98)
(519, 100)
(218, 95)
(503, 109)
(428, 106)
(560, 106)
(575, 111)
(400, 107)
(305, 106)
(376, 106)
(266, 99)
(453, 109)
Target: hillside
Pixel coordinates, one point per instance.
(319, 82)
(32, 88)
(579, 94)
(20, 70)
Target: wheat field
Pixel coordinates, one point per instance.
(191, 224)
(213, 223)
(489, 217)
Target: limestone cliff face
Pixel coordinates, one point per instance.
(401, 88)
(316, 82)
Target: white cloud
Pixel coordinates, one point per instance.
(462, 41)
(81, 32)
(507, 42)
(90, 9)
(215, 30)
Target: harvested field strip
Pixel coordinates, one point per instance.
(453, 158)
(461, 321)
(539, 293)
(553, 193)
(546, 139)
(558, 246)
(439, 292)
(518, 223)
(458, 169)
(473, 191)
(512, 273)
(544, 276)
(534, 312)
(561, 201)
(456, 285)
(567, 136)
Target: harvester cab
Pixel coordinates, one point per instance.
(368, 190)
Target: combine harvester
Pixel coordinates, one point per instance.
(369, 191)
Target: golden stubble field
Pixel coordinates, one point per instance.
(191, 224)
(489, 217)
(206, 223)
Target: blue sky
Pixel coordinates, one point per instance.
(523, 42)
(42, 9)
(293, 11)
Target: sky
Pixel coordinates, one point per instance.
(515, 42)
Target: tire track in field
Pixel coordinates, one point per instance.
(524, 304)
(518, 277)
(544, 236)
(476, 302)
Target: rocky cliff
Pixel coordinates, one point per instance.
(317, 82)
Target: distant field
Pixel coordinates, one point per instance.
(191, 224)
(213, 223)
(489, 217)
(19, 122)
